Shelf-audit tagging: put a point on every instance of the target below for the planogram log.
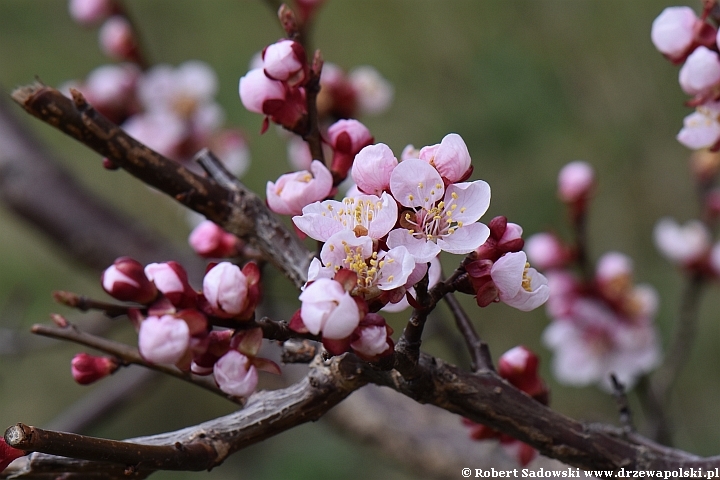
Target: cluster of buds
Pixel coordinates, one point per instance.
(175, 322)
(682, 37)
(519, 366)
(276, 88)
(600, 325)
(379, 240)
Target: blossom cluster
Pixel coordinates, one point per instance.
(519, 366)
(683, 37)
(175, 322)
(379, 240)
(601, 324)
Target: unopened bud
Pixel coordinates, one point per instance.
(575, 182)
(87, 369)
(126, 280)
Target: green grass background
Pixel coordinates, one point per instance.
(530, 86)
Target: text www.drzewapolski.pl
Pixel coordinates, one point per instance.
(577, 473)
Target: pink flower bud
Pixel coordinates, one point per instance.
(373, 338)
(347, 138)
(293, 191)
(117, 39)
(171, 279)
(372, 168)
(111, 89)
(575, 181)
(517, 284)
(701, 71)
(125, 280)
(545, 251)
(8, 454)
(519, 366)
(225, 288)
(90, 12)
(163, 340)
(285, 61)
(328, 308)
(210, 241)
(87, 369)
(256, 89)
(673, 31)
(235, 375)
(450, 158)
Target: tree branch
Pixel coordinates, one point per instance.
(127, 354)
(240, 212)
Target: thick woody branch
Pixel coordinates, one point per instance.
(482, 397)
(191, 456)
(267, 413)
(239, 212)
(41, 192)
(127, 354)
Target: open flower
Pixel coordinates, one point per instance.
(519, 285)
(293, 191)
(437, 218)
(364, 215)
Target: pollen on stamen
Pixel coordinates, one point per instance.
(462, 210)
(411, 197)
(454, 195)
(421, 185)
(391, 278)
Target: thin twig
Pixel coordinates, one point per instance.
(622, 403)
(657, 393)
(126, 353)
(479, 352)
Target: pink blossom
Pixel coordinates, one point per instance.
(575, 181)
(673, 31)
(87, 369)
(210, 241)
(298, 153)
(328, 308)
(383, 270)
(285, 61)
(373, 339)
(701, 129)
(125, 280)
(683, 245)
(347, 138)
(434, 273)
(450, 157)
(437, 218)
(590, 347)
(612, 266)
(171, 279)
(700, 72)
(546, 250)
(715, 258)
(90, 12)
(519, 285)
(235, 375)
(225, 288)
(117, 39)
(293, 191)
(256, 89)
(163, 340)
(374, 93)
(365, 215)
(372, 168)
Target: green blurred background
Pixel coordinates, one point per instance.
(530, 86)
